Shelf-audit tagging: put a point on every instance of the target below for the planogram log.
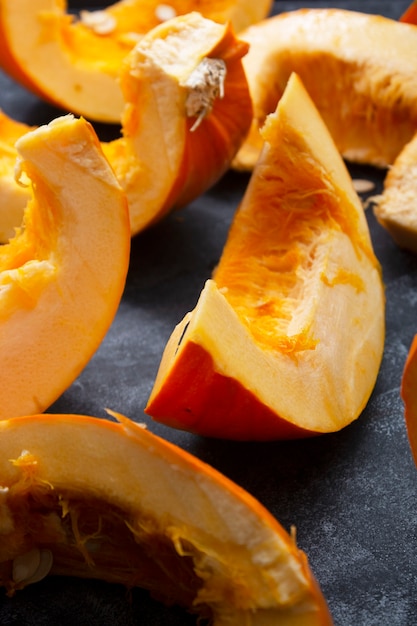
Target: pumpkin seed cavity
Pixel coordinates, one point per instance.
(204, 85)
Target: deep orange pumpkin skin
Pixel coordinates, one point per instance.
(410, 14)
(409, 396)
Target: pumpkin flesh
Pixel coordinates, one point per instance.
(359, 70)
(286, 339)
(161, 519)
(60, 288)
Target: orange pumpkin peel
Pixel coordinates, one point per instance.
(161, 519)
(184, 119)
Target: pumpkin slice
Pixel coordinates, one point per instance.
(13, 195)
(96, 499)
(63, 274)
(287, 340)
(360, 70)
(409, 396)
(74, 62)
(185, 117)
(396, 207)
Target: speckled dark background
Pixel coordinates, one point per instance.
(351, 495)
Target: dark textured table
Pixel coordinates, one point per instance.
(352, 495)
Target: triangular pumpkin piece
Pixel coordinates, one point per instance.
(286, 340)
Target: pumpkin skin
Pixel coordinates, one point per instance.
(286, 340)
(73, 62)
(168, 522)
(409, 396)
(396, 208)
(60, 287)
(410, 14)
(359, 69)
(166, 156)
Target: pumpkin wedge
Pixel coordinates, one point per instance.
(409, 396)
(63, 274)
(98, 499)
(184, 119)
(73, 62)
(13, 195)
(286, 340)
(360, 70)
(396, 207)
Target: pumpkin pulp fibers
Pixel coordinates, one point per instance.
(92, 539)
(276, 251)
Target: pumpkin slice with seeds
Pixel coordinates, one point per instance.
(359, 69)
(286, 339)
(92, 498)
(73, 61)
(59, 285)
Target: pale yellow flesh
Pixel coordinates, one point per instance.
(360, 71)
(61, 278)
(251, 572)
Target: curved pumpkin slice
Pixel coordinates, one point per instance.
(360, 70)
(120, 504)
(74, 63)
(287, 340)
(59, 285)
(13, 195)
(409, 396)
(396, 207)
(185, 115)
